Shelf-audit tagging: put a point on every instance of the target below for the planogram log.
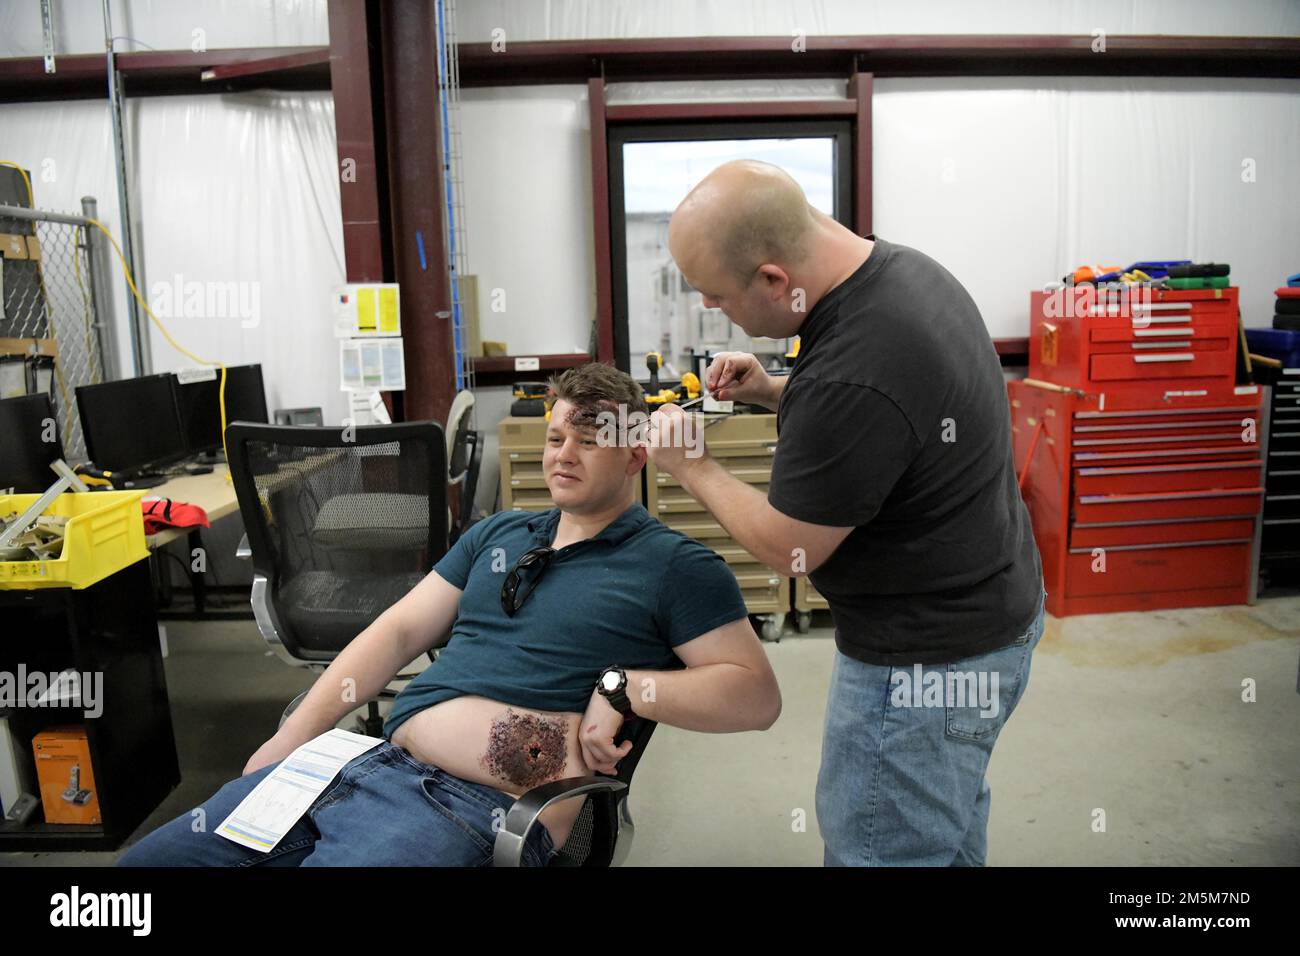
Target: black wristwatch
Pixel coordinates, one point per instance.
(612, 685)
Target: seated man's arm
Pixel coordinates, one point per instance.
(727, 686)
(419, 621)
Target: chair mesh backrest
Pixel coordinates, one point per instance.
(337, 509)
(342, 523)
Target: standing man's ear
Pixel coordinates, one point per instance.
(776, 280)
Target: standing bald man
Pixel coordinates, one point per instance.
(893, 489)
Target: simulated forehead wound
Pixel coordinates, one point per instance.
(587, 416)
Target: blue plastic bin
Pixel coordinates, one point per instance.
(1281, 344)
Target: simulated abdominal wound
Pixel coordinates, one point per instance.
(526, 749)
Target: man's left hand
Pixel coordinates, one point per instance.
(600, 725)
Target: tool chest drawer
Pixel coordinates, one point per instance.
(1283, 481)
(752, 471)
(1106, 535)
(1280, 536)
(673, 500)
(1137, 569)
(1130, 479)
(1215, 333)
(1180, 363)
(1242, 502)
(1282, 504)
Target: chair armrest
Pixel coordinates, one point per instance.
(242, 550)
(509, 847)
(293, 705)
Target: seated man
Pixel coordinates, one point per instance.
(538, 606)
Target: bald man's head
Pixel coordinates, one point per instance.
(742, 215)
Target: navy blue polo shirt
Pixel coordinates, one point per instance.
(628, 596)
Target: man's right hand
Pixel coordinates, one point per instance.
(273, 751)
(739, 376)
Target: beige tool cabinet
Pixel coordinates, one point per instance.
(521, 442)
(806, 600)
(743, 445)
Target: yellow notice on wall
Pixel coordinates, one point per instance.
(366, 312)
(388, 309)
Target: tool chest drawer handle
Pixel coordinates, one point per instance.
(1165, 544)
(1150, 412)
(1185, 330)
(1168, 496)
(1142, 307)
(1168, 469)
(1165, 357)
(1142, 321)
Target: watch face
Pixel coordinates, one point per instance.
(610, 681)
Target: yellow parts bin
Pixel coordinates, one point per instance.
(104, 534)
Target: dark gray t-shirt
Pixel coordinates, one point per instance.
(895, 420)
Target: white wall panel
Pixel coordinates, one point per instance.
(164, 25)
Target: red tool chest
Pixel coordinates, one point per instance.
(1141, 498)
(1135, 337)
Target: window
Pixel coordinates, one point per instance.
(652, 168)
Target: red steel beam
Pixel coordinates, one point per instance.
(575, 61)
(600, 224)
(860, 85)
(670, 112)
(274, 65)
(350, 82)
(417, 204)
(160, 72)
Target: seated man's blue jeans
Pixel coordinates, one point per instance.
(385, 808)
(902, 773)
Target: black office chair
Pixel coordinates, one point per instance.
(341, 523)
(310, 498)
(464, 458)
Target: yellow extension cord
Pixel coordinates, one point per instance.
(130, 281)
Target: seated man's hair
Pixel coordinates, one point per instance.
(595, 388)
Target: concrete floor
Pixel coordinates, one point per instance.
(1137, 714)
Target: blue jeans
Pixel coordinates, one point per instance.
(385, 808)
(903, 759)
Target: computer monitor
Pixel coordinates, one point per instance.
(245, 395)
(132, 425)
(200, 409)
(25, 454)
(200, 414)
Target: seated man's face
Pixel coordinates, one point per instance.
(582, 473)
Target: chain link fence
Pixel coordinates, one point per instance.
(51, 333)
